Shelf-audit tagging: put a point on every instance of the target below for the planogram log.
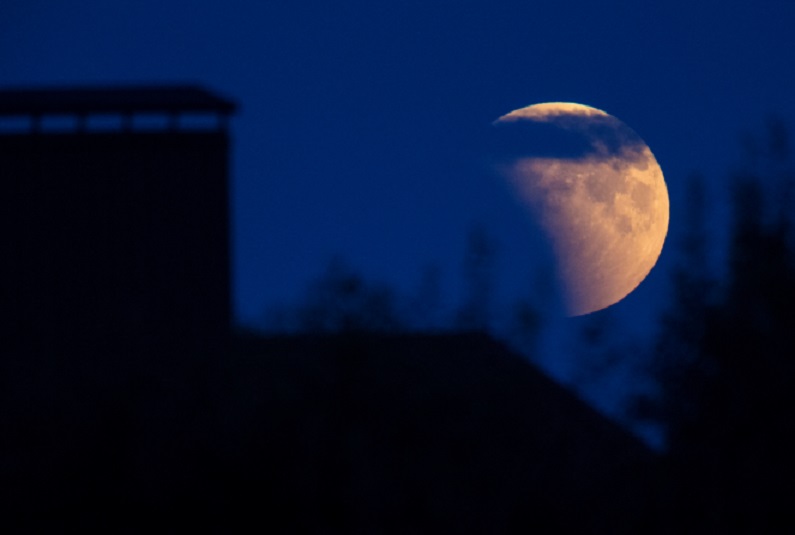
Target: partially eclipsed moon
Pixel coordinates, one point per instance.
(604, 206)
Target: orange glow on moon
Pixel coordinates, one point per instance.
(605, 210)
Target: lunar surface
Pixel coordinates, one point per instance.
(596, 189)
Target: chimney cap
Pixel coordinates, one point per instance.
(112, 100)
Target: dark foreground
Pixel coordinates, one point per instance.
(341, 434)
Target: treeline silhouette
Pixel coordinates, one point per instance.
(724, 361)
(341, 300)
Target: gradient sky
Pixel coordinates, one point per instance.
(361, 123)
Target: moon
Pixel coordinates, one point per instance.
(596, 190)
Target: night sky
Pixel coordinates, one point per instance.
(362, 124)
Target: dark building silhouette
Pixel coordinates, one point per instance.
(114, 294)
(422, 433)
(124, 409)
(115, 221)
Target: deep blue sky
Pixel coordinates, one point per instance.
(361, 123)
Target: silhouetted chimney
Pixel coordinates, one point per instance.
(115, 221)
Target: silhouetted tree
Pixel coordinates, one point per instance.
(478, 269)
(677, 363)
(725, 364)
(341, 301)
(524, 327)
(424, 308)
(599, 352)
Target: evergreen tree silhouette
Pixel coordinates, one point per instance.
(725, 363)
